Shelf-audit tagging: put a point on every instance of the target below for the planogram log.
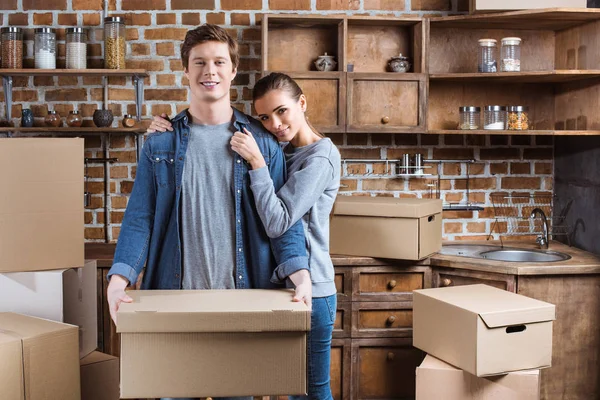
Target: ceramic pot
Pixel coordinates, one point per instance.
(103, 118)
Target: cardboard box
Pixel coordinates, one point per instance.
(437, 380)
(483, 330)
(483, 6)
(38, 359)
(387, 227)
(217, 343)
(65, 295)
(41, 204)
(99, 377)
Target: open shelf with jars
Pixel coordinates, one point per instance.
(556, 77)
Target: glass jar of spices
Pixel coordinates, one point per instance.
(470, 117)
(52, 119)
(12, 47)
(45, 48)
(128, 121)
(114, 43)
(76, 57)
(518, 118)
(487, 55)
(74, 119)
(510, 54)
(494, 117)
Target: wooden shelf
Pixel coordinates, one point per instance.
(506, 132)
(549, 19)
(558, 76)
(73, 131)
(73, 72)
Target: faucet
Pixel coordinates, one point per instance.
(543, 239)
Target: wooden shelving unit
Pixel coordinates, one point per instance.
(142, 73)
(507, 132)
(559, 76)
(83, 131)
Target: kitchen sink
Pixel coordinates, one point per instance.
(514, 255)
(497, 253)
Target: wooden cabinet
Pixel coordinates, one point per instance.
(443, 277)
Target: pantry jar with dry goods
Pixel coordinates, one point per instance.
(510, 54)
(45, 48)
(494, 117)
(12, 47)
(76, 48)
(487, 56)
(114, 43)
(518, 118)
(470, 117)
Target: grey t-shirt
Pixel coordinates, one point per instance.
(207, 207)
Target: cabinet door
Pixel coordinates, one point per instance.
(340, 369)
(386, 102)
(343, 317)
(388, 283)
(443, 277)
(343, 283)
(384, 368)
(326, 94)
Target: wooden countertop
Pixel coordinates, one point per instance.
(581, 262)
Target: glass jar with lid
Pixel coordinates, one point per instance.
(494, 117)
(76, 52)
(470, 117)
(114, 43)
(487, 55)
(518, 118)
(12, 47)
(45, 48)
(510, 54)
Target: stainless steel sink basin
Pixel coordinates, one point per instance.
(514, 255)
(497, 253)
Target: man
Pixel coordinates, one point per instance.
(191, 217)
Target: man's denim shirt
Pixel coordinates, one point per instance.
(150, 233)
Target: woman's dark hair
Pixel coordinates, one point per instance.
(279, 81)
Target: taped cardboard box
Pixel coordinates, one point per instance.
(38, 359)
(483, 330)
(486, 6)
(437, 380)
(387, 227)
(41, 204)
(66, 295)
(212, 343)
(99, 377)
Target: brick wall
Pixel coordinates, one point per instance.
(522, 164)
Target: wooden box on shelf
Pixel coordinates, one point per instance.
(559, 78)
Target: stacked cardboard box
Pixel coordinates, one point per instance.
(48, 298)
(482, 343)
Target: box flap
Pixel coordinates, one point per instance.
(386, 206)
(241, 310)
(496, 307)
(27, 327)
(96, 357)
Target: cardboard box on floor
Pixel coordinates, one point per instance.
(38, 359)
(387, 227)
(483, 330)
(41, 204)
(99, 377)
(483, 6)
(65, 295)
(437, 380)
(217, 343)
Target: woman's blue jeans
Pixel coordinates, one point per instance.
(318, 348)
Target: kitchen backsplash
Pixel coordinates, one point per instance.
(502, 163)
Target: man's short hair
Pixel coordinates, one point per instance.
(207, 33)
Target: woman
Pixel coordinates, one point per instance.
(313, 166)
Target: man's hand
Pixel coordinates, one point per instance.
(116, 295)
(301, 279)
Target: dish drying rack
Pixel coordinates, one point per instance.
(512, 216)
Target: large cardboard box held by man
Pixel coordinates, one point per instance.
(486, 6)
(99, 377)
(65, 295)
(217, 343)
(483, 330)
(437, 380)
(38, 359)
(41, 204)
(387, 227)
